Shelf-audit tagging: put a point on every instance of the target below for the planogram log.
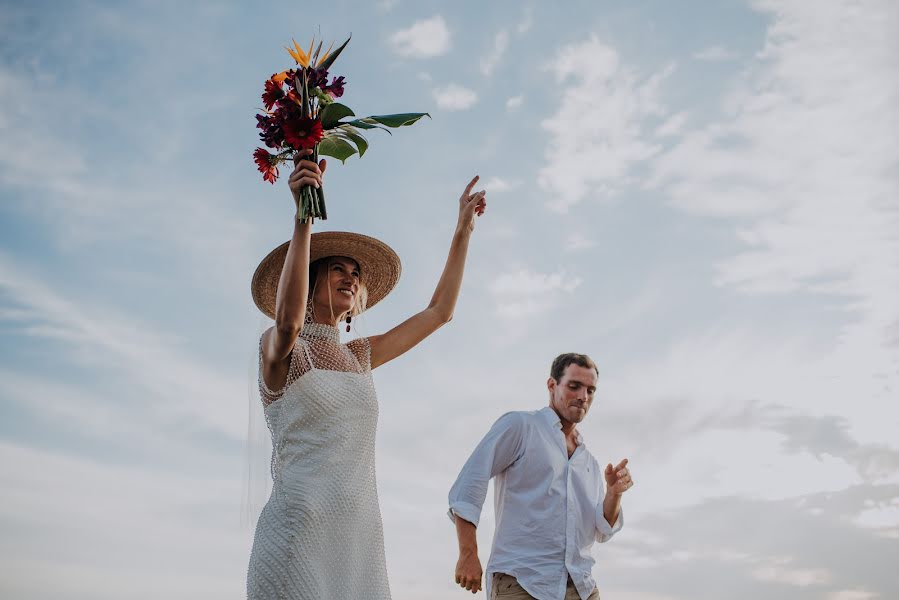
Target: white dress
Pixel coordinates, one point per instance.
(319, 536)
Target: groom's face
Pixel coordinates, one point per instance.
(572, 395)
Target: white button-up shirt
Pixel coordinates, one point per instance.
(549, 507)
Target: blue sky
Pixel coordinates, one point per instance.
(703, 197)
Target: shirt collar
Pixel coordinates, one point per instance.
(550, 416)
(553, 420)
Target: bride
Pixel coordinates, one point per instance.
(319, 536)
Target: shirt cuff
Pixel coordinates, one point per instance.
(464, 510)
(605, 530)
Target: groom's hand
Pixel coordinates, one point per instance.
(468, 571)
(618, 478)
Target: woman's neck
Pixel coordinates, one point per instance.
(324, 315)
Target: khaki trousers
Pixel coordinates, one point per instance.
(505, 587)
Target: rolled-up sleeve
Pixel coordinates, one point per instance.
(604, 531)
(501, 447)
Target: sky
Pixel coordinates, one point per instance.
(703, 196)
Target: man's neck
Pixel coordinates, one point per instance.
(569, 429)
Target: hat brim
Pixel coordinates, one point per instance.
(379, 266)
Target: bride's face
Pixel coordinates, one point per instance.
(337, 286)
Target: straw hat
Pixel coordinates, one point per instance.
(379, 265)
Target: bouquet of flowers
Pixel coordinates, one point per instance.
(301, 114)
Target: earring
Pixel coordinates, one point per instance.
(349, 319)
(308, 319)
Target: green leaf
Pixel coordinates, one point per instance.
(332, 113)
(336, 147)
(329, 60)
(363, 124)
(399, 120)
(357, 138)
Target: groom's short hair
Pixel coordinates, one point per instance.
(570, 358)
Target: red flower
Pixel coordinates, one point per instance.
(303, 132)
(336, 87)
(266, 165)
(273, 92)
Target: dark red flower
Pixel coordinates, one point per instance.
(336, 87)
(265, 164)
(273, 92)
(271, 134)
(303, 132)
(316, 78)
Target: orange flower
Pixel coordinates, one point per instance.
(298, 55)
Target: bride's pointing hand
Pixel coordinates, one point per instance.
(471, 205)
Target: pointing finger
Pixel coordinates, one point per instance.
(470, 185)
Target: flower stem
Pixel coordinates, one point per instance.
(322, 209)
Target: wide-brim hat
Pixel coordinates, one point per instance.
(379, 266)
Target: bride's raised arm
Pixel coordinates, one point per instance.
(293, 284)
(413, 330)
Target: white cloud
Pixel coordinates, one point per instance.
(91, 513)
(714, 54)
(492, 58)
(181, 386)
(497, 185)
(783, 573)
(744, 470)
(527, 20)
(424, 39)
(454, 97)
(514, 102)
(804, 165)
(883, 516)
(597, 133)
(387, 5)
(577, 241)
(672, 126)
(524, 293)
(855, 594)
(91, 195)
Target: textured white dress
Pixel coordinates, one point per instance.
(319, 536)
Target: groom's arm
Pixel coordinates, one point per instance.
(610, 520)
(468, 568)
(501, 447)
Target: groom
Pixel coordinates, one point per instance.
(549, 500)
